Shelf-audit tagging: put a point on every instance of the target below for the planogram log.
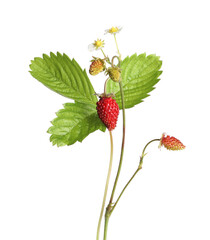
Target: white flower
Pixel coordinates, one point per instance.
(113, 30)
(97, 45)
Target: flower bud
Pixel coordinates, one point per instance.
(171, 143)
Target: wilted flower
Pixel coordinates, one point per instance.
(171, 143)
(113, 30)
(97, 45)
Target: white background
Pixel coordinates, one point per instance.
(51, 193)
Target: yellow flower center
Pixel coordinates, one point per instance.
(98, 43)
(113, 30)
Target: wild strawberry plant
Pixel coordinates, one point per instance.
(126, 84)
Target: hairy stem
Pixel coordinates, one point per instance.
(106, 186)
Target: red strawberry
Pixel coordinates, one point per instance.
(171, 143)
(108, 111)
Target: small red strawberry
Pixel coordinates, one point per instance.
(171, 143)
(108, 111)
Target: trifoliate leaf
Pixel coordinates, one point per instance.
(139, 75)
(64, 76)
(73, 123)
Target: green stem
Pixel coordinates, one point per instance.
(117, 47)
(139, 168)
(103, 52)
(122, 146)
(106, 186)
(105, 84)
(124, 189)
(143, 152)
(109, 207)
(107, 59)
(106, 226)
(123, 137)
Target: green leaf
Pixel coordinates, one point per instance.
(139, 75)
(73, 123)
(64, 76)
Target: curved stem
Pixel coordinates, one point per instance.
(143, 152)
(105, 84)
(139, 168)
(117, 59)
(106, 186)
